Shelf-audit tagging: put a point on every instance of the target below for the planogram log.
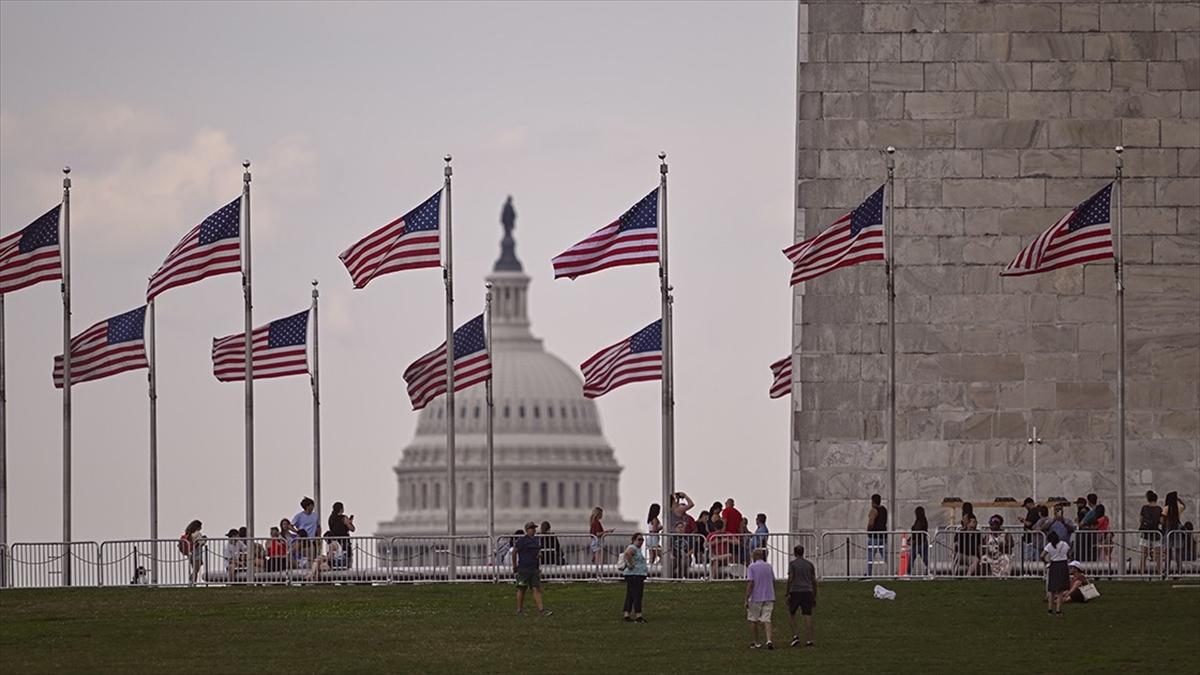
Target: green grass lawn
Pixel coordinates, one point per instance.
(932, 627)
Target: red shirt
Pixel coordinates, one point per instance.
(276, 548)
(597, 528)
(732, 518)
(690, 527)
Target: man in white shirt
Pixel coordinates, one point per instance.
(307, 519)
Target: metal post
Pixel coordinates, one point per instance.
(249, 373)
(891, 329)
(316, 402)
(152, 391)
(668, 382)
(65, 244)
(448, 275)
(1120, 279)
(1035, 441)
(491, 416)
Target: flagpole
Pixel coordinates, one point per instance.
(448, 275)
(668, 381)
(491, 448)
(1120, 282)
(66, 432)
(152, 382)
(3, 449)
(891, 329)
(249, 354)
(316, 401)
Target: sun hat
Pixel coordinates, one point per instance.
(1076, 564)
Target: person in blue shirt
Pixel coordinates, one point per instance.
(635, 570)
(308, 519)
(759, 540)
(525, 553)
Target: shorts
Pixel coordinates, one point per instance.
(803, 601)
(529, 578)
(759, 612)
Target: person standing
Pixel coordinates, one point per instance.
(654, 528)
(596, 529)
(801, 595)
(307, 519)
(1172, 524)
(681, 503)
(760, 597)
(919, 540)
(340, 527)
(1149, 519)
(732, 517)
(191, 545)
(527, 568)
(759, 540)
(877, 519)
(634, 570)
(1056, 553)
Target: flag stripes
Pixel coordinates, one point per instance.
(426, 377)
(32, 254)
(637, 358)
(412, 241)
(112, 346)
(278, 349)
(213, 247)
(632, 239)
(1083, 235)
(856, 237)
(782, 370)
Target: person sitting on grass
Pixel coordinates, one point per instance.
(760, 597)
(1078, 581)
(526, 567)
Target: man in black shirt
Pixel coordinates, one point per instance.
(801, 595)
(527, 568)
(876, 523)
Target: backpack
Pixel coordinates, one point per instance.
(622, 561)
(185, 544)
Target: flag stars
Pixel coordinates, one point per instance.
(223, 224)
(41, 232)
(128, 326)
(643, 214)
(425, 216)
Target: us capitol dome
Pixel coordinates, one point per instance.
(552, 461)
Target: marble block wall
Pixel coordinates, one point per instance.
(1004, 116)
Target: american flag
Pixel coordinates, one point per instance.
(1081, 236)
(631, 240)
(426, 377)
(407, 243)
(637, 358)
(782, 370)
(854, 238)
(32, 254)
(112, 346)
(280, 348)
(210, 248)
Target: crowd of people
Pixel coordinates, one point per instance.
(297, 543)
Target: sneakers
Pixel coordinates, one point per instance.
(546, 612)
(770, 645)
(809, 644)
(639, 620)
(627, 619)
(795, 640)
(755, 645)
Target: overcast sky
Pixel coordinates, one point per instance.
(345, 111)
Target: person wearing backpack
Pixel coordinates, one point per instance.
(191, 545)
(634, 569)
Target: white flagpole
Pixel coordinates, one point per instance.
(152, 382)
(491, 449)
(316, 401)
(248, 345)
(890, 265)
(668, 381)
(66, 432)
(1120, 279)
(448, 275)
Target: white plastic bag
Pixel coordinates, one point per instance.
(882, 593)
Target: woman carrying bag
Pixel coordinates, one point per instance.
(633, 567)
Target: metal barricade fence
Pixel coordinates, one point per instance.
(1179, 555)
(857, 554)
(4, 567)
(426, 559)
(1118, 553)
(564, 557)
(54, 564)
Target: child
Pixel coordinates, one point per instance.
(760, 597)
